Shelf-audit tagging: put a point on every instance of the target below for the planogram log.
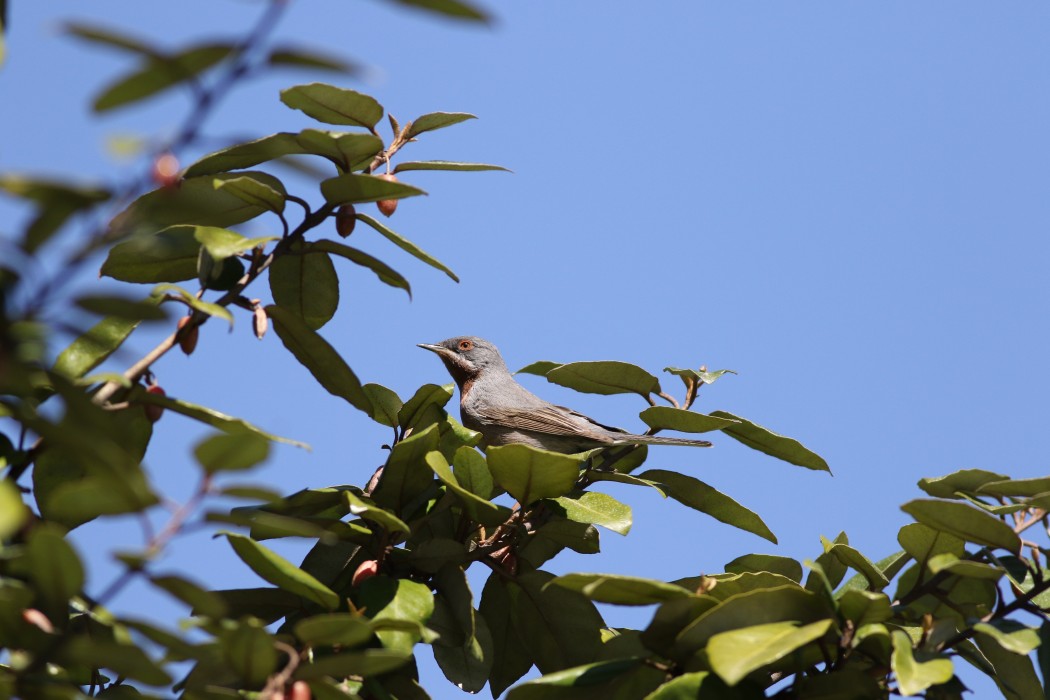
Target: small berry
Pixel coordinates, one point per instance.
(345, 220)
(38, 620)
(387, 206)
(187, 338)
(365, 571)
(166, 171)
(154, 412)
(300, 691)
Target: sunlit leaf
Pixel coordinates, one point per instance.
(914, 676)
(304, 282)
(406, 245)
(446, 165)
(596, 508)
(965, 522)
(529, 474)
(736, 653)
(352, 188)
(437, 120)
(384, 272)
(764, 440)
(277, 570)
(706, 499)
(333, 105)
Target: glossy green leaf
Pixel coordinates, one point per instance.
(191, 300)
(195, 201)
(966, 480)
(419, 405)
(319, 357)
(667, 418)
(208, 416)
(385, 404)
(446, 165)
(472, 472)
(351, 188)
(200, 600)
(1012, 636)
(736, 653)
(328, 629)
(437, 120)
(964, 567)
(480, 509)
(1016, 488)
(366, 509)
(858, 562)
(231, 452)
(621, 590)
(530, 474)
(914, 676)
(596, 508)
(93, 347)
(764, 440)
(406, 475)
(275, 569)
(253, 191)
(304, 282)
(1014, 673)
(122, 307)
(706, 499)
(167, 256)
(406, 245)
(300, 57)
(784, 566)
(609, 377)
(964, 522)
(511, 658)
(384, 272)
(13, 512)
(400, 600)
(159, 74)
(559, 627)
(333, 105)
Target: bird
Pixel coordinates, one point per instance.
(493, 403)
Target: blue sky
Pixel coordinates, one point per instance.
(845, 202)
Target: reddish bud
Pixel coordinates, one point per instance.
(154, 412)
(345, 220)
(187, 336)
(260, 322)
(365, 571)
(300, 691)
(166, 170)
(387, 206)
(38, 620)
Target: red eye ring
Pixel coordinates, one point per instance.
(466, 345)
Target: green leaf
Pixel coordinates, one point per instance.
(54, 568)
(368, 510)
(530, 474)
(437, 120)
(621, 590)
(667, 418)
(200, 600)
(93, 347)
(318, 356)
(368, 662)
(159, 74)
(406, 474)
(207, 416)
(348, 150)
(616, 679)
(540, 367)
(401, 600)
(166, 256)
(253, 192)
(196, 201)
(124, 659)
(1014, 673)
(860, 563)
(964, 522)
(423, 403)
(303, 281)
(222, 243)
(1016, 488)
(480, 509)
(601, 475)
(249, 652)
(205, 307)
(864, 607)
(344, 629)
(610, 377)
(511, 658)
(736, 653)
(758, 438)
(351, 188)
(472, 472)
(967, 480)
(446, 165)
(57, 201)
(108, 37)
(385, 404)
(596, 508)
(332, 105)
(384, 272)
(13, 512)
(706, 499)
(559, 627)
(699, 375)
(122, 307)
(766, 562)
(246, 155)
(277, 570)
(964, 567)
(1010, 635)
(236, 452)
(297, 57)
(698, 684)
(913, 676)
(406, 245)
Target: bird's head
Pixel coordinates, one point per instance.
(467, 356)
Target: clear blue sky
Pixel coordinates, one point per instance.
(845, 202)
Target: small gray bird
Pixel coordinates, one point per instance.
(493, 403)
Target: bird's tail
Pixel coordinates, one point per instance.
(658, 440)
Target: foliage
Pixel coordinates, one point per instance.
(386, 576)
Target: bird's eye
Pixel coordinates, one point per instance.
(466, 345)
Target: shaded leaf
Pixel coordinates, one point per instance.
(384, 272)
(406, 474)
(333, 105)
(667, 418)
(437, 120)
(54, 568)
(205, 307)
(1014, 673)
(93, 347)
(758, 438)
(965, 522)
(610, 377)
(446, 165)
(352, 188)
(166, 256)
(540, 367)
(559, 627)
(299, 57)
(511, 658)
(304, 281)
(123, 307)
(364, 663)
(319, 357)
(200, 600)
(529, 474)
(368, 510)
(385, 404)
(231, 452)
(472, 472)
(964, 480)
(406, 245)
(387, 599)
(699, 496)
(253, 191)
(621, 590)
(160, 73)
(766, 562)
(480, 509)
(13, 512)
(344, 629)
(223, 243)
(274, 569)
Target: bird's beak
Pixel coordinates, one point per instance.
(439, 349)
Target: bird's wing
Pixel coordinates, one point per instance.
(549, 419)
